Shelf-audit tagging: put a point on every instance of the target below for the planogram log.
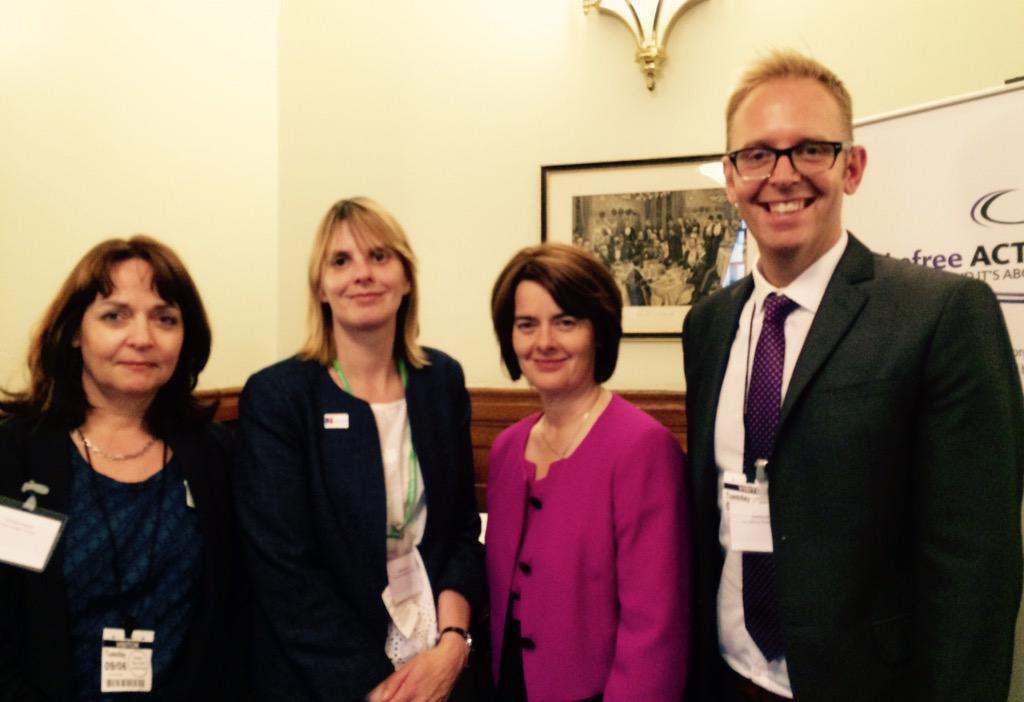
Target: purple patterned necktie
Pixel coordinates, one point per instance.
(760, 420)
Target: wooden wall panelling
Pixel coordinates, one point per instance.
(496, 409)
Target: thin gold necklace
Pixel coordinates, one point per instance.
(115, 456)
(582, 423)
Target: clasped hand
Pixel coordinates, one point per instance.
(429, 677)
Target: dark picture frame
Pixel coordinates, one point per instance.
(663, 226)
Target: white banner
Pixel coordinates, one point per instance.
(944, 187)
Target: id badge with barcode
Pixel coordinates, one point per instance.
(126, 664)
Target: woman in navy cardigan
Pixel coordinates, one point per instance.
(355, 486)
(109, 435)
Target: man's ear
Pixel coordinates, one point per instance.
(856, 162)
(730, 184)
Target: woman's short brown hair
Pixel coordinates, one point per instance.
(368, 220)
(578, 283)
(55, 364)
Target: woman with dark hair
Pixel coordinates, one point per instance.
(137, 594)
(587, 529)
(355, 486)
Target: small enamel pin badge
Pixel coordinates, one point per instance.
(336, 420)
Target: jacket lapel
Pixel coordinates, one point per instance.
(842, 302)
(422, 417)
(351, 468)
(712, 346)
(716, 348)
(49, 463)
(193, 460)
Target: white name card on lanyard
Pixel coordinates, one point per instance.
(746, 505)
(126, 664)
(28, 536)
(404, 579)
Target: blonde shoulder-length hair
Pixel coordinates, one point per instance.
(370, 224)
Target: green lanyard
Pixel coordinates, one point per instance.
(395, 531)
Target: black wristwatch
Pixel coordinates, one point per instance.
(457, 630)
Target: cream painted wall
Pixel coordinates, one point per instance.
(143, 116)
(119, 116)
(445, 112)
(124, 116)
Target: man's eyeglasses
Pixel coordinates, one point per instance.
(807, 158)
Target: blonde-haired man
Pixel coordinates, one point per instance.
(855, 436)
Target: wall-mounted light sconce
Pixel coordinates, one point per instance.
(650, 22)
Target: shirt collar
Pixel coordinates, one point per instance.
(809, 287)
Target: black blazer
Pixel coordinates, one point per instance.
(895, 486)
(35, 643)
(312, 507)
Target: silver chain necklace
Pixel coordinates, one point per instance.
(115, 456)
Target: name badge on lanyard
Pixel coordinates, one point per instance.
(746, 505)
(28, 533)
(403, 576)
(404, 583)
(126, 664)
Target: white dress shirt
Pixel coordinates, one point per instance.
(737, 648)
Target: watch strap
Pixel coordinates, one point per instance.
(456, 630)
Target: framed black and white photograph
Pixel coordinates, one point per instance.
(663, 227)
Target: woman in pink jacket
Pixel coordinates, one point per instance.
(588, 533)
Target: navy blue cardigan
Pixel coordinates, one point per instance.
(35, 637)
(311, 502)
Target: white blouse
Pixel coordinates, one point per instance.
(413, 625)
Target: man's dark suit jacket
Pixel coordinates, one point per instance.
(35, 631)
(895, 486)
(312, 507)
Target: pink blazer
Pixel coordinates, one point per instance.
(606, 601)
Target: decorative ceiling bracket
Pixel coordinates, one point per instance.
(650, 21)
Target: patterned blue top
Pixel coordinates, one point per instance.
(163, 601)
